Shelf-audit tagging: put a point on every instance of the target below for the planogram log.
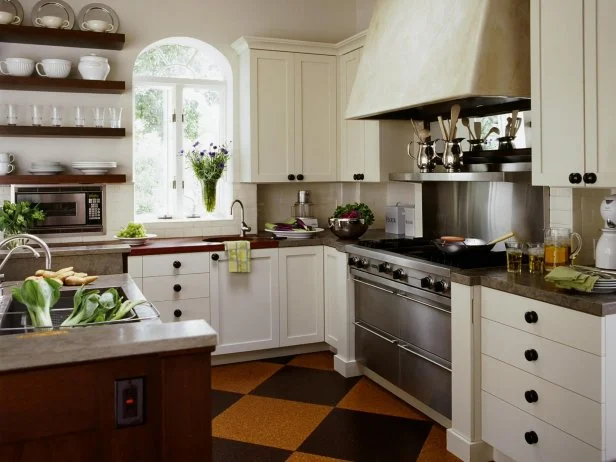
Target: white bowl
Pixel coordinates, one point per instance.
(135, 240)
(54, 68)
(97, 25)
(21, 67)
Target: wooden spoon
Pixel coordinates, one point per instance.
(455, 113)
(415, 129)
(514, 119)
(443, 129)
(424, 134)
(477, 126)
(504, 237)
(467, 124)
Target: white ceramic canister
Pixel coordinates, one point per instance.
(394, 219)
(93, 67)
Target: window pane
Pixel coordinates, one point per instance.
(177, 61)
(151, 138)
(202, 122)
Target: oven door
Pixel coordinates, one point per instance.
(60, 209)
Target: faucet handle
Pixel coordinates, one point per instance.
(245, 227)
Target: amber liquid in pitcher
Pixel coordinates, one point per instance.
(556, 255)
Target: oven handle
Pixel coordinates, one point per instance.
(373, 286)
(408, 350)
(422, 303)
(362, 326)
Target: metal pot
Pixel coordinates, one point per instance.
(347, 228)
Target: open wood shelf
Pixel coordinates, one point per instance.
(62, 179)
(61, 37)
(84, 132)
(11, 82)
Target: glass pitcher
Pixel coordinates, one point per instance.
(557, 245)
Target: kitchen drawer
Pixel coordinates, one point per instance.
(184, 310)
(505, 426)
(573, 369)
(568, 411)
(579, 330)
(174, 264)
(162, 288)
(135, 267)
(378, 351)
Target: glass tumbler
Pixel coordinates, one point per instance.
(11, 114)
(37, 115)
(514, 256)
(56, 116)
(535, 257)
(98, 114)
(115, 117)
(80, 116)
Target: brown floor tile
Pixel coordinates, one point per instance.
(367, 396)
(242, 377)
(303, 457)
(320, 360)
(435, 447)
(269, 422)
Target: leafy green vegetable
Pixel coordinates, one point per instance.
(90, 307)
(38, 296)
(133, 230)
(19, 217)
(362, 209)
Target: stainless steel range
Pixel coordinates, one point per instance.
(403, 314)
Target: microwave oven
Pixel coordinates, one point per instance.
(68, 209)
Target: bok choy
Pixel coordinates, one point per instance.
(38, 296)
(89, 306)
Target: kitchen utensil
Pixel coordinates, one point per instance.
(415, 129)
(514, 119)
(514, 256)
(502, 238)
(492, 130)
(347, 228)
(452, 155)
(426, 155)
(424, 135)
(443, 129)
(557, 244)
(605, 251)
(6, 17)
(36, 111)
(476, 145)
(477, 127)
(508, 127)
(54, 68)
(58, 8)
(455, 113)
(12, 114)
(518, 123)
(17, 10)
(93, 67)
(99, 11)
(505, 143)
(51, 22)
(467, 124)
(21, 67)
(470, 246)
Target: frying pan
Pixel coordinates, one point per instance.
(452, 245)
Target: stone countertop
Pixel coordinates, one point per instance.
(535, 287)
(75, 250)
(62, 346)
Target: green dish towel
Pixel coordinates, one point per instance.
(239, 256)
(566, 277)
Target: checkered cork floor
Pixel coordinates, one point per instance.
(298, 409)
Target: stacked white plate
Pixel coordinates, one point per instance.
(94, 168)
(48, 167)
(604, 286)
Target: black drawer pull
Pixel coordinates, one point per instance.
(215, 256)
(291, 177)
(575, 178)
(177, 264)
(177, 287)
(300, 177)
(531, 355)
(531, 396)
(361, 176)
(531, 437)
(531, 317)
(177, 313)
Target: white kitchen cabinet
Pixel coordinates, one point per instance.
(369, 150)
(135, 270)
(335, 297)
(573, 95)
(287, 113)
(301, 295)
(245, 307)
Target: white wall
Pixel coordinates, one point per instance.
(218, 22)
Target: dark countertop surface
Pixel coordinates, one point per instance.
(535, 287)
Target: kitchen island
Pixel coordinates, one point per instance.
(128, 392)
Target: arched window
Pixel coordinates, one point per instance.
(182, 94)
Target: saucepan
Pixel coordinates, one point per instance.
(455, 245)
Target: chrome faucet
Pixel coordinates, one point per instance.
(244, 228)
(26, 238)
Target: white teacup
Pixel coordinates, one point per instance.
(6, 158)
(52, 22)
(22, 67)
(6, 168)
(97, 25)
(54, 68)
(7, 17)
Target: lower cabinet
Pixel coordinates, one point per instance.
(184, 310)
(336, 299)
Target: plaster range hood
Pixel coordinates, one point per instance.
(422, 56)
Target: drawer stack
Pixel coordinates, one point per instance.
(177, 284)
(542, 379)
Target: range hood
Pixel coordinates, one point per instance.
(422, 56)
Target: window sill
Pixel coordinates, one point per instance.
(161, 222)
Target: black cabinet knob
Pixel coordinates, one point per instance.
(531, 355)
(355, 176)
(215, 256)
(531, 317)
(177, 287)
(589, 178)
(575, 178)
(531, 437)
(291, 177)
(360, 176)
(177, 313)
(531, 396)
(300, 177)
(177, 264)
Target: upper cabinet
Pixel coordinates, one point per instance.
(573, 95)
(287, 112)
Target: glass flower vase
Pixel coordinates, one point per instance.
(208, 190)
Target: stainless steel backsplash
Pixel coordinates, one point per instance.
(484, 210)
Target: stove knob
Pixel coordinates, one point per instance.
(399, 274)
(385, 268)
(441, 286)
(353, 261)
(363, 263)
(427, 282)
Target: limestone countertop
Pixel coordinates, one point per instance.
(535, 287)
(75, 250)
(62, 346)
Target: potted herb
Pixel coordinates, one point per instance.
(350, 221)
(19, 217)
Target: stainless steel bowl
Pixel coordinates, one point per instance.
(348, 228)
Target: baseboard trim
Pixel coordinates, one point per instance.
(478, 451)
(347, 368)
(404, 396)
(271, 353)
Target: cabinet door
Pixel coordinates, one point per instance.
(352, 144)
(272, 118)
(245, 306)
(335, 297)
(315, 117)
(557, 78)
(301, 295)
